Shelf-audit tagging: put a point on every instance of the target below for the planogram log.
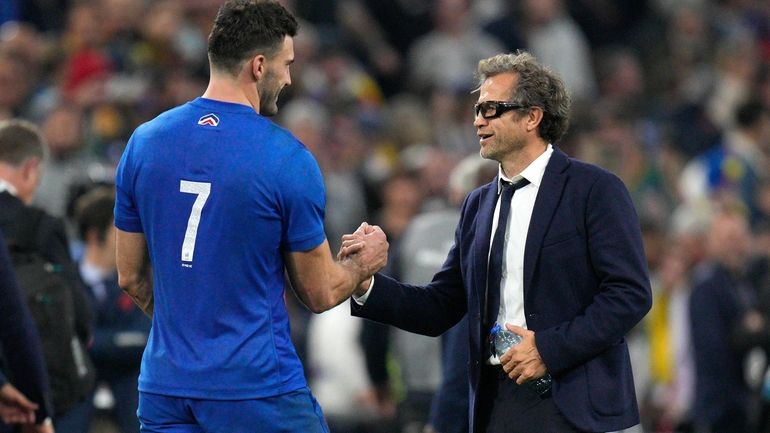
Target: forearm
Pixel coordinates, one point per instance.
(339, 282)
(322, 282)
(141, 293)
(134, 269)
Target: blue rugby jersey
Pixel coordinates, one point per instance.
(220, 194)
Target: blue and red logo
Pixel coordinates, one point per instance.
(210, 119)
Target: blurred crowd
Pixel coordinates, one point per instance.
(671, 95)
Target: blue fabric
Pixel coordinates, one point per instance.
(293, 412)
(220, 327)
(9, 11)
(586, 285)
(77, 419)
(449, 412)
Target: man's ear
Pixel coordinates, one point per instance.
(30, 166)
(258, 66)
(534, 117)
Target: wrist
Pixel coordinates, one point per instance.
(363, 287)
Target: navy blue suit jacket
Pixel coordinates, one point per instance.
(585, 286)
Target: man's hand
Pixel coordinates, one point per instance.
(522, 362)
(15, 408)
(354, 242)
(367, 247)
(46, 427)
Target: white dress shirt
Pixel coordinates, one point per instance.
(522, 203)
(6, 186)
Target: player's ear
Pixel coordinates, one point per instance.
(258, 66)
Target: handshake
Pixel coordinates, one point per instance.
(366, 251)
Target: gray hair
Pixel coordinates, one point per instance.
(19, 141)
(537, 86)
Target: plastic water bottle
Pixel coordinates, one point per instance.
(503, 340)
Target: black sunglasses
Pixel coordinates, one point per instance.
(494, 109)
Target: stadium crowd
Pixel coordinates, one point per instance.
(672, 96)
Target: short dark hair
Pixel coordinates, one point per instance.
(19, 141)
(244, 28)
(94, 211)
(537, 86)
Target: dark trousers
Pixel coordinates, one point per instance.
(505, 407)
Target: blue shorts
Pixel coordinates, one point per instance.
(293, 412)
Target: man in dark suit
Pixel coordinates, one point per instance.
(566, 270)
(725, 324)
(22, 149)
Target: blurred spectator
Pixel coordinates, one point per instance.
(609, 22)
(736, 164)
(615, 144)
(722, 312)
(15, 85)
(120, 327)
(67, 164)
(447, 56)
(41, 238)
(621, 78)
(735, 72)
(555, 38)
(338, 373)
(667, 400)
(507, 26)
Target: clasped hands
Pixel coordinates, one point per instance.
(368, 248)
(522, 362)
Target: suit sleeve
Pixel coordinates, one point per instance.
(427, 310)
(618, 262)
(19, 340)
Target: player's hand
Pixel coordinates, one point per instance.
(15, 408)
(367, 247)
(522, 362)
(354, 242)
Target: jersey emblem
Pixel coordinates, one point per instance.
(210, 119)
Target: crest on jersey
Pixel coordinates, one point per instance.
(210, 119)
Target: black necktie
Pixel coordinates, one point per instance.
(496, 253)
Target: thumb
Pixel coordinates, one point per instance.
(516, 329)
(362, 228)
(13, 397)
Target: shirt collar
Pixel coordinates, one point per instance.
(533, 173)
(6, 186)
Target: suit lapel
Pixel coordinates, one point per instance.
(546, 202)
(482, 237)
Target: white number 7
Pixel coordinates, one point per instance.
(202, 190)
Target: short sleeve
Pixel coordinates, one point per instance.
(303, 202)
(126, 212)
